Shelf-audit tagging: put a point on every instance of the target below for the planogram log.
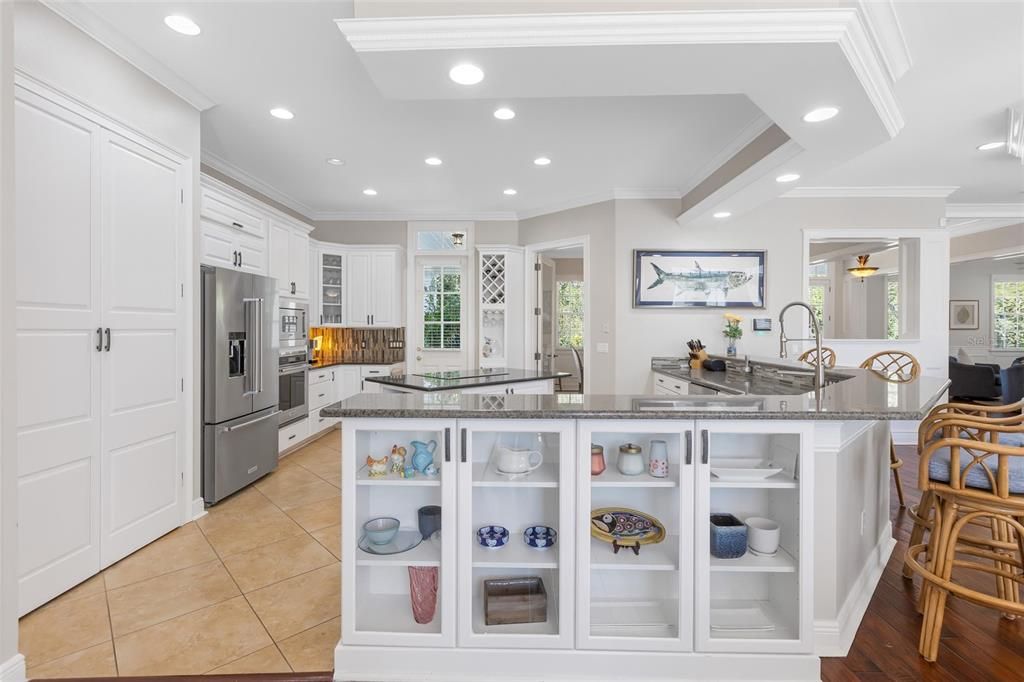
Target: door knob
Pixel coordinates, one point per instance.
(419, 358)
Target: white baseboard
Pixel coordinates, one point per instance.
(198, 508)
(835, 637)
(13, 669)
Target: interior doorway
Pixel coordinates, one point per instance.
(439, 328)
(558, 302)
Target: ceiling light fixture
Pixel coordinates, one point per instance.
(282, 113)
(863, 269)
(432, 161)
(182, 25)
(335, 162)
(722, 214)
(466, 74)
(504, 114)
(510, 192)
(457, 238)
(787, 177)
(989, 146)
(820, 114)
(542, 161)
(370, 192)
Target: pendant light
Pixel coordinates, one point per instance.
(863, 269)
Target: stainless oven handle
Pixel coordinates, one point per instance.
(253, 421)
(300, 368)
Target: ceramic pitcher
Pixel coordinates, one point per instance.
(423, 454)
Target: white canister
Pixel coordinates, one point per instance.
(657, 463)
(631, 460)
(762, 535)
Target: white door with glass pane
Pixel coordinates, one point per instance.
(440, 325)
(546, 320)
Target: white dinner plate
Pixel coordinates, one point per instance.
(743, 469)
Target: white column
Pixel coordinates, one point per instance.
(12, 664)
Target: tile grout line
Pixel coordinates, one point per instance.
(110, 624)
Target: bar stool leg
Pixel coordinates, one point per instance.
(923, 513)
(895, 463)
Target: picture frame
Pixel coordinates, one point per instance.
(963, 314)
(698, 279)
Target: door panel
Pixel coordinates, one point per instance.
(298, 259)
(253, 256)
(430, 286)
(57, 296)
(546, 321)
(359, 285)
(217, 248)
(279, 260)
(142, 219)
(384, 302)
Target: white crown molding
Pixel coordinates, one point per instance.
(959, 227)
(844, 26)
(892, 192)
(618, 193)
(748, 134)
(99, 29)
(883, 25)
(412, 216)
(234, 172)
(1002, 210)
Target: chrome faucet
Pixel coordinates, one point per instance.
(819, 368)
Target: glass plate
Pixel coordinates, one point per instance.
(403, 541)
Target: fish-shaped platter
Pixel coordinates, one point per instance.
(625, 528)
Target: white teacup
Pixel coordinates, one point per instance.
(516, 461)
(762, 535)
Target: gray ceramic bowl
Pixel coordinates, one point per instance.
(381, 530)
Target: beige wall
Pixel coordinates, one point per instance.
(568, 269)
(497, 232)
(597, 221)
(1004, 240)
(259, 196)
(361, 231)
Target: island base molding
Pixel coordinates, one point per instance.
(13, 669)
(380, 664)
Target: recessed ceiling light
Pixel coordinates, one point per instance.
(820, 114)
(182, 25)
(466, 74)
(722, 214)
(432, 161)
(504, 114)
(282, 113)
(787, 177)
(989, 146)
(370, 192)
(335, 162)
(510, 192)
(542, 161)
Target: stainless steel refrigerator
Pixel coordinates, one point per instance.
(240, 407)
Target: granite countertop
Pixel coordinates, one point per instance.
(495, 376)
(865, 395)
(321, 365)
(766, 380)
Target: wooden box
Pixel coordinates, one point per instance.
(515, 600)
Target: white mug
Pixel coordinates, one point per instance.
(516, 461)
(762, 535)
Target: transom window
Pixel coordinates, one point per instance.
(442, 307)
(570, 314)
(440, 240)
(1008, 312)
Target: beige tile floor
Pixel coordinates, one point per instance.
(253, 586)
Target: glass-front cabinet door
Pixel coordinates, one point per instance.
(634, 524)
(753, 556)
(332, 294)
(515, 534)
(399, 547)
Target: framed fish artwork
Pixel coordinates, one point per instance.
(698, 279)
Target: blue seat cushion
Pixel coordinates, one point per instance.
(1014, 439)
(938, 470)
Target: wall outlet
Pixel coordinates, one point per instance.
(602, 348)
(863, 521)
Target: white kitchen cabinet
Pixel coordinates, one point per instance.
(289, 257)
(374, 287)
(350, 381)
(223, 205)
(293, 434)
(372, 371)
(101, 226)
(232, 229)
(667, 385)
(331, 269)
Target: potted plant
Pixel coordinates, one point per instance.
(733, 332)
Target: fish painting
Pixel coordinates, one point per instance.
(701, 280)
(625, 528)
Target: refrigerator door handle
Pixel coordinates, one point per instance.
(251, 334)
(260, 350)
(252, 421)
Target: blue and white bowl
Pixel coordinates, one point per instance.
(540, 537)
(492, 536)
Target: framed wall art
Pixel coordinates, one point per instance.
(698, 279)
(963, 314)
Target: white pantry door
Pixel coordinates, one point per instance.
(142, 441)
(57, 285)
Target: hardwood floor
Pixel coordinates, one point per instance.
(976, 643)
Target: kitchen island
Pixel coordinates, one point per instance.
(485, 380)
(666, 609)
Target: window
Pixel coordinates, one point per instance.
(570, 314)
(440, 240)
(816, 299)
(1008, 312)
(442, 307)
(892, 307)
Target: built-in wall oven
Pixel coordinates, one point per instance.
(292, 324)
(292, 377)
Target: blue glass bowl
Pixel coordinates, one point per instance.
(492, 537)
(540, 537)
(381, 530)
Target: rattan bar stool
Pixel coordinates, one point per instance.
(828, 357)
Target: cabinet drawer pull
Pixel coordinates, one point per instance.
(704, 446)
(292, 437)
(463, 445)
(321, 395)
(447, 444)
(678, 386)
(240, 226)
(689, 447)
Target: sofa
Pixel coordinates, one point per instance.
(975, 382)
(1012, 382)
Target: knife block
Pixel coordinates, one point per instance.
(698, 358)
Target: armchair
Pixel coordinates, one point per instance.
(973, 382)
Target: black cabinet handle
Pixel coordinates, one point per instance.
(447, 444)
(704, 446)
(238, 225)
(292, 437)
(321, 320)
(463, 445)
(689, 447)
(99, 339)
(239, 259)
(107, 348)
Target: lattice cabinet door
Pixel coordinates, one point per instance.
(492, 279)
